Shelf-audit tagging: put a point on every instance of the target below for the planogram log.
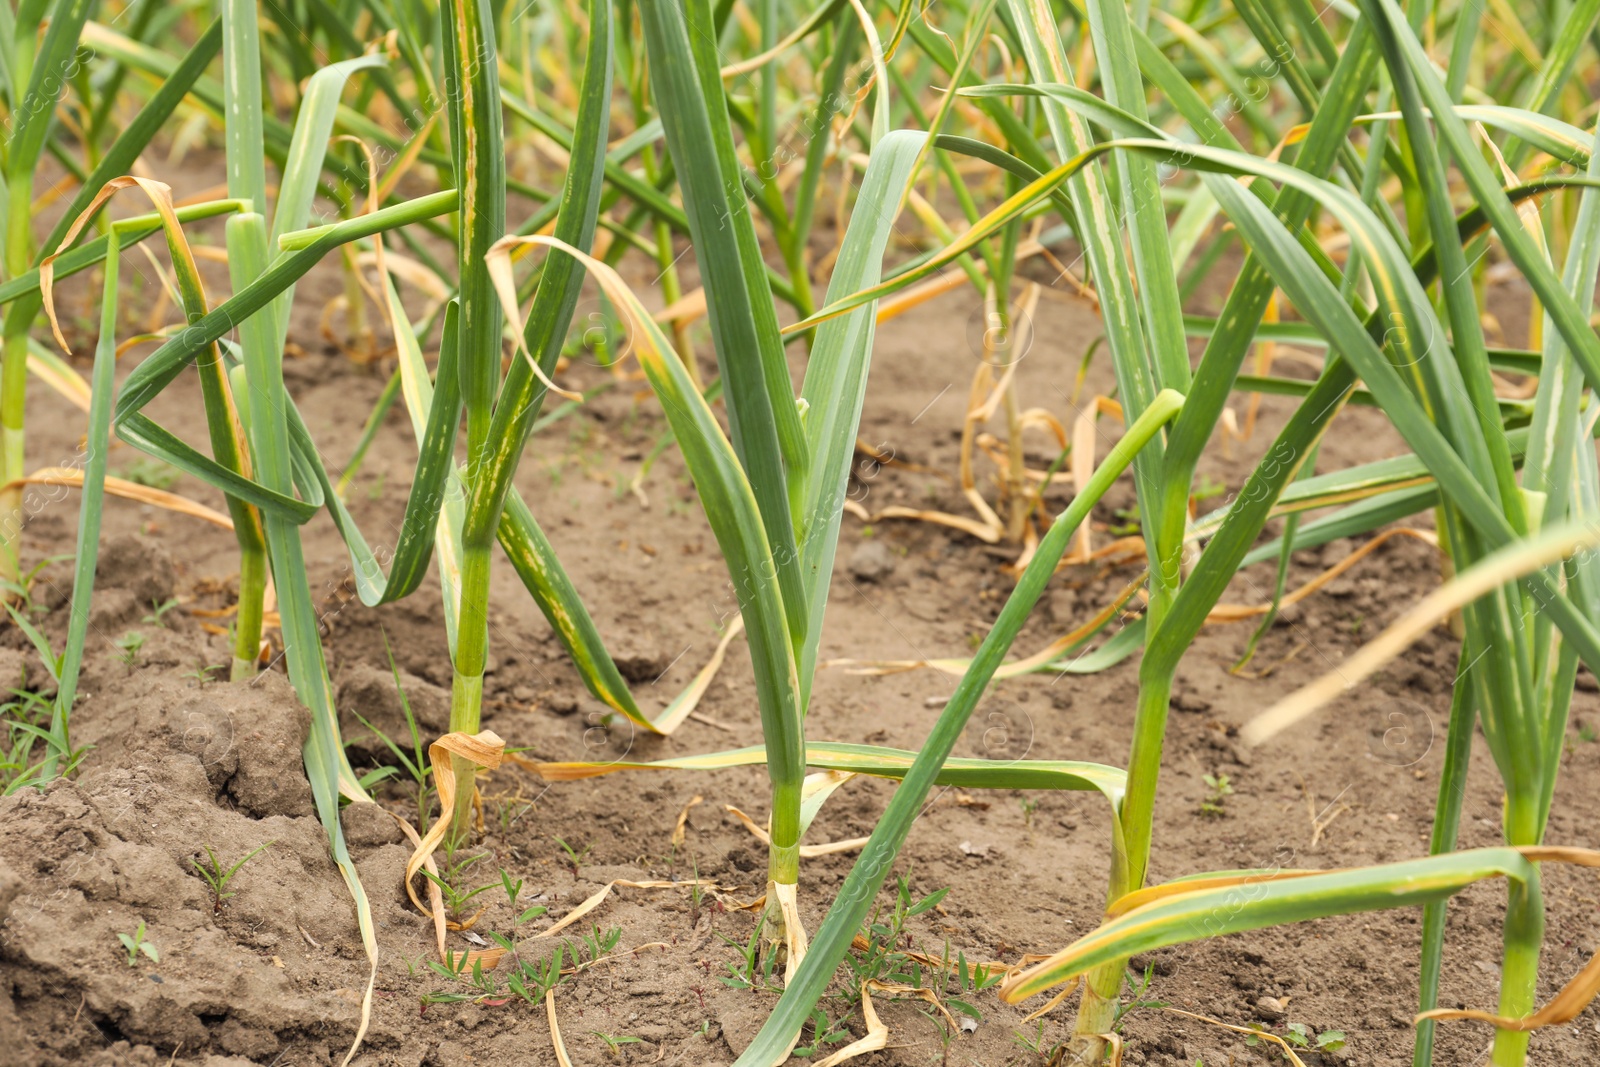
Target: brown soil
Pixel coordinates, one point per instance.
(274, 975)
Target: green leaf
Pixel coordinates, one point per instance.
(53, 66)
(327, 766)
(855, 898)
(98, 443)
(763, 421)
(736, 521)
(1174, 914)
(836, 377)
(882, 762)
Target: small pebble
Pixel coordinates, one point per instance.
(871, 562)
(1270, 1007)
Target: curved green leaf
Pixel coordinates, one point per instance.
(1256, 900)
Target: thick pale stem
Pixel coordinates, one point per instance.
(783, 862)
(466, 706)
(1519, 970)
(472, 639)
(1144, 763)
(1522, 934)
(1102, 987)
(472, 653)
(247, 623)
(13, 403)
(357, 331)
(11, 441)
(1097, 1011)
(1016, 467)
